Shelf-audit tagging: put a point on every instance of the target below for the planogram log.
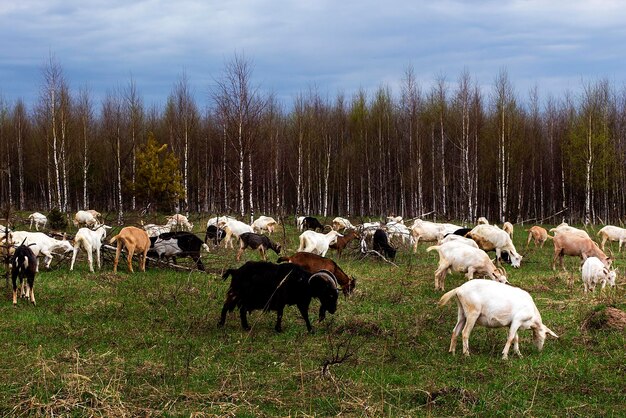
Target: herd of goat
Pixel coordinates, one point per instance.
(308, 274)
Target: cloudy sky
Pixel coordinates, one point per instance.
(334, 46)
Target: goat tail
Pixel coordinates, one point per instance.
(283, 259)
(549, 236)
(446, 298)
(228, 272)
(434, 247)
(113, 239)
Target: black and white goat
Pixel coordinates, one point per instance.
(214, 234)
(256, 242)
(24, 266)
(310, 222)
(270, 287)
(178, 244)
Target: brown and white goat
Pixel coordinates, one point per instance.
(134, 240)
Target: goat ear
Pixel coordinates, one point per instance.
(549, 331)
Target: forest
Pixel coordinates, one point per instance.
(454, 150)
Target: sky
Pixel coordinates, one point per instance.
(294, 46)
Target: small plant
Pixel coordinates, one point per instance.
(57, 219)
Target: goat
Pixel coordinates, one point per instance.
(495, 305)
(178, 244)
(482, 221)
(314, 242)
(133, 239)
(219, 220)
(464, 259)
(462, 232)
(233, 228)
(38, 219)
(564, 227)
(395, 229)
(300, 222)
(264, 223)
(538, 234)
(270, 287)
(214, 234)
(178, 222)
(508, 228)
(314, 263)
(426, 232)
(381, 244)
(84, 217)
(89, 240)
(256, 241)
(395, 219)
(490, 237)
(612, 233)
(24, 266)
(458, 238)
(154, 230)
(40, 243)
(309, 222)
(343, 241)
(595, 272)
(566, 243)
(340, 223)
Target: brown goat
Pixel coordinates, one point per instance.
(343, 241)
(566, 243)
(314, 263)
(133, 239)
(539, 236)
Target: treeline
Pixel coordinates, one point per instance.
(454, 150)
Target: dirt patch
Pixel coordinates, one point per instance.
(607, 318)
(361, 327)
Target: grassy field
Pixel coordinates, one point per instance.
(147, 344)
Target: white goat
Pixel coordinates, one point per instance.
(300, 222)
(179, 221)
(397, 219)
(41, 244)
(508, 228)
(84, 217)
(233, 228)
(482, 221)
(264, 223)
(564, 227)
(426, 232)
(317, 243)
(594, 272)
(612, 233)
(396, 229)
(462, 258)
(154, 230)
(490, 237)
(38, 219)
(219, 220)
(460, 239)
(341, 223)
(495, 305)
(89, 240)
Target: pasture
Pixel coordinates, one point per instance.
(147, 344)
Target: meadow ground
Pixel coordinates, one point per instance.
(147, 344)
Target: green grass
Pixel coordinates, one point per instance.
(147, 344)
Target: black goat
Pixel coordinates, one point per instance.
(256, 242)
(24, 266)
(270, 287)
(310, 222)
(381, 244)
(178, 244)
(214, 234)
(462, 231)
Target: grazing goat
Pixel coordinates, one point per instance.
(495, 305)
(343, 241)
(508, 228)
(264, 223)
(270, 287)
(426, 232)
(309, 222)
(300, 222)
(314, 242)
(154, 230)
(133, 239)
(460, 239)
(539, 236)
(566, 243)
(395, 229)
(595, 272)
(179, 222)
(84, 217)
(89, 240)
(612, 233)
(396, 219)
(381, 244)
(564, 227)
(38, 219)
(178, 244)
(340, 223)
(233, 228)
(314, 263)
(462, 231)
(24, 266)
(214, 234)
(482, 221)
(256, 242)
(490, 237)
(464, 259)
(219, 219)
(40, 243)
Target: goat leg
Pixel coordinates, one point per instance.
(279, 319)
(244, 318)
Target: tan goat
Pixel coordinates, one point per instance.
(133, 239)
(539, 236)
